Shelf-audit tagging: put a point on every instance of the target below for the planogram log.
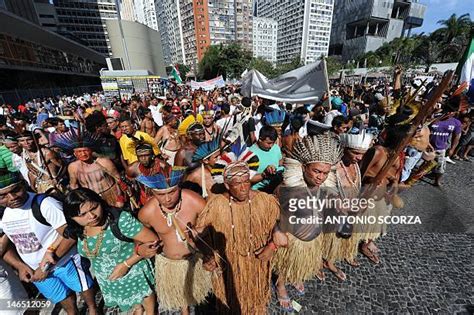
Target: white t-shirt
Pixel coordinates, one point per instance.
(20, 164)
(30, 237)
(155, 113)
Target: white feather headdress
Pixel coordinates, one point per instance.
(361, 141)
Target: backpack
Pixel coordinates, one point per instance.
(114, 217)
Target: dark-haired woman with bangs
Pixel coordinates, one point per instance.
(125, 278)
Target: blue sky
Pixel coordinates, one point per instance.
(441, 10)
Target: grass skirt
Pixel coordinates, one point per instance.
(374, 231)
(300, 261)
(180, 283)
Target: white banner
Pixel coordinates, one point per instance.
(208, 85)
(305, 84)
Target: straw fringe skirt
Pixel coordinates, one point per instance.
(374, 231)
(300, 261)
(180, 283)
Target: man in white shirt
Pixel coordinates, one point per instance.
(34, 225)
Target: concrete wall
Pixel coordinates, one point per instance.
(143, 45)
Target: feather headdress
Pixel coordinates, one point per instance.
(275, 117)
(360, 141)
(206, 149)
(166, 179)
(323, 148)
(239, 154)
(76, 138)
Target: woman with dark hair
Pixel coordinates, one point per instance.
(105, 236)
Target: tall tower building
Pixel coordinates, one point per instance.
(265, 38)
(171, 32)
(304, 27)
(84, 21)
(361, 26)
(189, 27)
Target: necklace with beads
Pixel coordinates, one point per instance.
(248, 251)
(100, 237)
(170, 218)
(355, 184)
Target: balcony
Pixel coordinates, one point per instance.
(373, 27)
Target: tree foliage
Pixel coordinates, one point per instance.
(446, 44)
(232, 60)
(226, 60)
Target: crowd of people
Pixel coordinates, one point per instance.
(170, 201)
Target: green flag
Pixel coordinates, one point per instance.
(175, 74)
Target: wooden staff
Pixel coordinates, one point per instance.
(425, 111)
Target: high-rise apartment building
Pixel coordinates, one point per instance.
(265, 38)
(243, 23)
(304, 27)
(171, 32)
(141, 11)
(84, 21)
(361, 26)
(188, 27)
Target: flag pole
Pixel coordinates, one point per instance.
(327, 80)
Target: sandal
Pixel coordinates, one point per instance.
(338, 272)
(283, 300)
(300, 291)
(370, 255)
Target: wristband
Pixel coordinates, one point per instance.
(126, 264)
(136, 250)
(51, 249)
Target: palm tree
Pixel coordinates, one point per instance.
(455, 26)
(427, 51)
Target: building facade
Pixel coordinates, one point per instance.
(33, 57)
(85, 22)
(170, 28)
(361, 26)
(47, 16)
(304, 27)
(144, 47)
(265, 38)
(189, 27)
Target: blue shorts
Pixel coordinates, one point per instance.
(72, 276)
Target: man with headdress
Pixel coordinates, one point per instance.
(181, 279)
(207, 153)
(167, 138)
(45, 168)
(96, 173)
(195, 136)
(275, 118)
(148, 164)
(306, 167)
(346, 180)
(240, 225)
(130, 138)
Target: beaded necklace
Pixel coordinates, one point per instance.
(98, 244)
